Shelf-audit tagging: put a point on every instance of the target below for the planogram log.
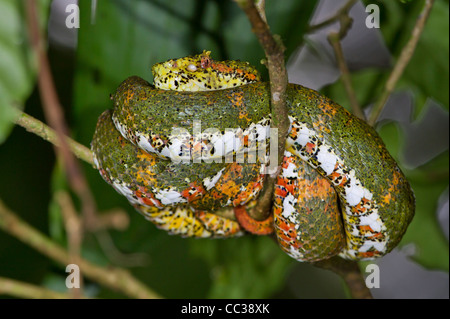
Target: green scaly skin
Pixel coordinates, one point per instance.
(137, 103)
(136, 174)
(359, 145)
(133, 170)
(355, 143)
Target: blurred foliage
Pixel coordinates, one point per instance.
(125, 38)
(17, 70)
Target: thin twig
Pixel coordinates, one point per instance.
(116, 256)
(116, 218)
(403, 60)
(42, 130)
(24, 290)
(55, 117)
(342, 11)
(274, 51)
(74, 232)
(114, 278)
(334, 38)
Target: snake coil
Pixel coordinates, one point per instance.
(339, 190)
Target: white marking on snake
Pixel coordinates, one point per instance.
(168, 197)
(210, 182)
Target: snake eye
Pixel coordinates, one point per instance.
(192, 68)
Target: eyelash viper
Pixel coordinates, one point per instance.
(375, 198)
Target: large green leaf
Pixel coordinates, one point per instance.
(17, 72)
(429, 182)
(428, 72)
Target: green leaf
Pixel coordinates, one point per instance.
(248, 267)
(16, 70)
(428, 183)
(391, 135)
(428, 72)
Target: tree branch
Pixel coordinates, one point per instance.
(402, 62)
(24, 290)
(335, 42)
(114, 278)
(35, 126)
(274, 51)
(55, 117)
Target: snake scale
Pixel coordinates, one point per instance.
(181, 152)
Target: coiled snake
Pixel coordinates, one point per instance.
(339, 190)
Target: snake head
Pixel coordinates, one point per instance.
(201, 73)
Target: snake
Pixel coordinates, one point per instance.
(339, 191)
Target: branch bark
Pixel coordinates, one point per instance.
(274, 51)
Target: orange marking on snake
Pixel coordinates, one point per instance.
(193, 192)
(264, 227)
